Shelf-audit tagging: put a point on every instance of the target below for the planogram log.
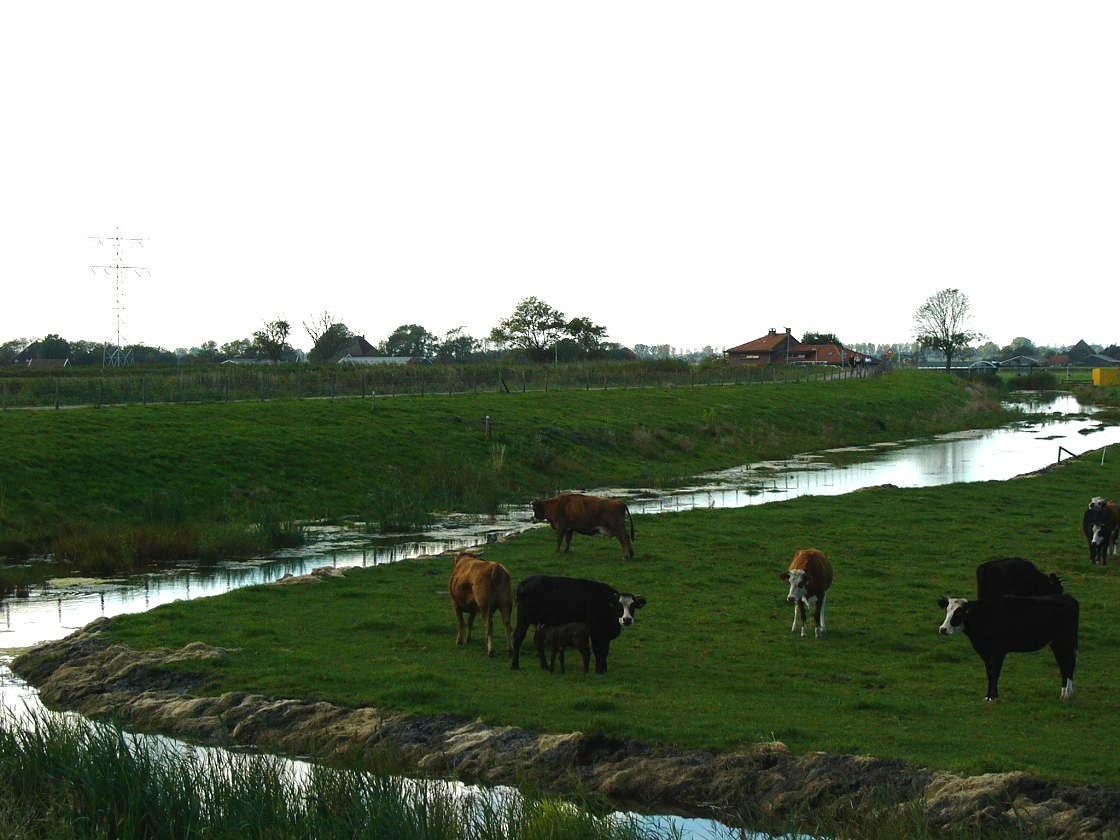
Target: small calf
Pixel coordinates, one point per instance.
(555, 637)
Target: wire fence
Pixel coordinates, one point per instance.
(228, 383)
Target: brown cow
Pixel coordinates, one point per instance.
(809, 576)
(572, 512)
(480, 586)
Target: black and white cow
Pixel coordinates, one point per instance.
(1017, 623)
(1101, 525)
(545, 599)
(1014, 576)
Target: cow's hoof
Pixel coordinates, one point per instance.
(991, 699)
(490, 653)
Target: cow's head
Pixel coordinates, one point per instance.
(799, 581)
(1097, 503)
(539, 512)
(1097, 534)
(628, 603)
(955, 610)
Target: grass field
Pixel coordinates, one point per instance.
(106, 487)
(711, 661)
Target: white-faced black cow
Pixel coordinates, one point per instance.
(1101, 525)
(1017, 623)
(545, 599)
(809, 576)
(1014, 576)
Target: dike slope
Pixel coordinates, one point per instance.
(85, 673)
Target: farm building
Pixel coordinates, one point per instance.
(777, 348)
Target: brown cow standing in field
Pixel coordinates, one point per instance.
(480, 586)
(809, 576)
(572, 512)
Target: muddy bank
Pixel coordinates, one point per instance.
(85, 673)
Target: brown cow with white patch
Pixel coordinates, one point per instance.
(809, 576)
(569, 513)
(480, 586)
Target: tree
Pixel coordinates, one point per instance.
(53, 346)
(272, 340)
(10, 349)
(456, 346)
(329, 342)
(411, 340)
(206, 352)
(941, 323)
(587, 336)
(239, 348)
(820, 338)
(534, 327)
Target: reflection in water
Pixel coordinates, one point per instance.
(48, 613)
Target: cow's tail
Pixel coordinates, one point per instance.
(631, 518)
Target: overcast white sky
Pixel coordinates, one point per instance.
(683, 173)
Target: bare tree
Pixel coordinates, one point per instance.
(942, 323)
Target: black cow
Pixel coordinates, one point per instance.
(1101, 525)
(1014, 576)
(1017, 623)
(544, 599)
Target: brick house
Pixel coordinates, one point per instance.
(777, 348)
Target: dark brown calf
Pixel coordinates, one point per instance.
(555, 637)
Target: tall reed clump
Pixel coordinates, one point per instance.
(65, 778)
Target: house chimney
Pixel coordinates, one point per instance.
(772, 331)
(787, 330)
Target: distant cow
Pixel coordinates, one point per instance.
(545, 599)
(809, 576)
(553, 639)
(480, 586)
(1017, 623)
(570, 513)
(1014, 576)
(1101, 525)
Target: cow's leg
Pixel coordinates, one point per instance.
(601, 647)
(627, 546)
(819, 615)
(488, 620)
(994, 664)
(518, 638)
(568, 539)
(561, 660)
(1065, 653)
(470, 624)
(560, 532)
(585, 654)
(798, 618)
(547, 665)
(505, 610)
(460, 628)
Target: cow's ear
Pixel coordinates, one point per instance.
(639, 602)
(784, 576)
(943, 602)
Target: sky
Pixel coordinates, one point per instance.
(681, 173)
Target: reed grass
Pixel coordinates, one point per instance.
(66, 778)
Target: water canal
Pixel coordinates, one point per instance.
(1054, 426)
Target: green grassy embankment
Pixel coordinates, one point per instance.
(105, 487)
(711, 662)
